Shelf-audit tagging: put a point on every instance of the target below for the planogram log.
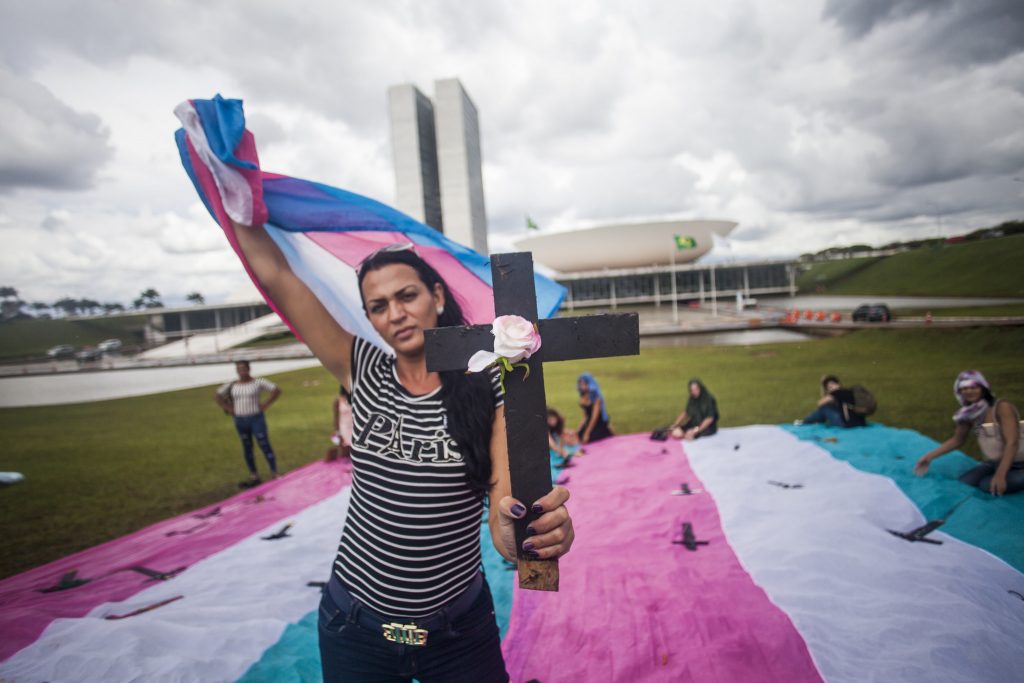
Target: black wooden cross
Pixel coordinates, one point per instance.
(595, 336)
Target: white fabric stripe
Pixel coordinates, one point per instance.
(237, 604)
(235, 193)
(333, 282)
(871, 607)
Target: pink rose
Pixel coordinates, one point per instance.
(515, 338)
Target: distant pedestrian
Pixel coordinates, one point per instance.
(243, 399)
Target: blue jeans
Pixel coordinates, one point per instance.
(250, 426)
(981, 476)
(468, 651)
(832, 415)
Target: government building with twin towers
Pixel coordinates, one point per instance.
(439, 181)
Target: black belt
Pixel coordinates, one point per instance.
(415, 631)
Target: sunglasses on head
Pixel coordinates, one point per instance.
(389, 248)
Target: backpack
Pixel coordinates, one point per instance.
(660, 434)
(864, 402)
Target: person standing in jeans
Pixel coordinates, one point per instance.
(242, 398)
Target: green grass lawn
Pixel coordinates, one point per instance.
(29, 338)
(96, 471)
(984, 268)
(828, 273)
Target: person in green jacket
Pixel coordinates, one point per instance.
(700, 418)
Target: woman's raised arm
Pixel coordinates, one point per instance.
(328, 340)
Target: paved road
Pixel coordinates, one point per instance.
(79, 387)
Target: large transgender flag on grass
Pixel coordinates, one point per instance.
(792, 576)
(324, 232)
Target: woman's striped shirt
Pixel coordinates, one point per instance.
(411, 540)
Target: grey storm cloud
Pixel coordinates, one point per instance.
(858, 117)
(957, 31)
(44, 143)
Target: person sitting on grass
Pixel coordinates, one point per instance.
(563, 444)
(596, 424)
(998, 426)
(700, 418)
(836, 406)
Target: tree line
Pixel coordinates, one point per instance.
(13, 305)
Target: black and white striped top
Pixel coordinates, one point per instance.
(411, 540)
(245, 396)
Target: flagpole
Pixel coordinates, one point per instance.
(714, 292)
(675, 299)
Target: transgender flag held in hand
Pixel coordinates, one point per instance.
(324, 232)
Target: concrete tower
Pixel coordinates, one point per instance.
(414, 148)
(459, 163)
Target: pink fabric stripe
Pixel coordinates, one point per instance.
(634, 607)
(25, 613)
(475, 295)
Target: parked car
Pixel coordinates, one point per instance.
(61, 351)
(872, 313)
(88, 354)
(109, 345)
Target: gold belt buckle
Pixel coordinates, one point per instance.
(405, 634)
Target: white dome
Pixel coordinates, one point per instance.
(623, 245)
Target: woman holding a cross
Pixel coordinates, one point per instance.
(406, 596)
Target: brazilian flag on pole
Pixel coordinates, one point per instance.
(685, 243)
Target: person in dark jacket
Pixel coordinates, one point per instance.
(700, 418)
(835, 407)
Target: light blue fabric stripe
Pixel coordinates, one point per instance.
(985, 521)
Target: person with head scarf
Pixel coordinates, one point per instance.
(596, 424)
(700, 418)
(998, 426)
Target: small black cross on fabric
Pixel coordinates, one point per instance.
(595, 336)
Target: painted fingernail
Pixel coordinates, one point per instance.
(518, 510)
(537, 508)
(532, 555)
(530, 531)
(528, 546)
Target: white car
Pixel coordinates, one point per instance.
(109, 345)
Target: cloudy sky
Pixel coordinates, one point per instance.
(811, 123)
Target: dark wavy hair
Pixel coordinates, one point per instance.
(467, 398)
(559, 425)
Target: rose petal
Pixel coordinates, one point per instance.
(480, 360)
